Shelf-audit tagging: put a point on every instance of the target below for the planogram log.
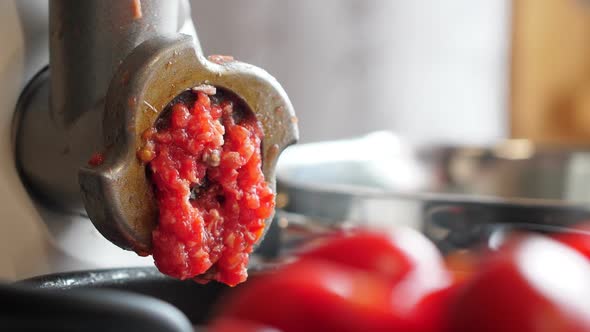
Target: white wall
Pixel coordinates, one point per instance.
(430, 70)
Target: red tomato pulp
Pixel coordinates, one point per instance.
(204, 160)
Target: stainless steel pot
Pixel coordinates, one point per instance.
(460, 197)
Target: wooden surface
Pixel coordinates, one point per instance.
(550, 90)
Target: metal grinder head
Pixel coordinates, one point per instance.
(117, 194)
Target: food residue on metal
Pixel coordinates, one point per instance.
(125, 77)
(207, 89)
(136, 10)
(146, 154)
(132, 101)
(272, 153)
(220, 59)
(97, 159)
(150, 106)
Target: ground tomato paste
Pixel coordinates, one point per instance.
(204, 160)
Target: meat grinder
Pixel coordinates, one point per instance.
(113, 67)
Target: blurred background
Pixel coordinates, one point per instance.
(453, 72)
(456, 73)
(430, 71)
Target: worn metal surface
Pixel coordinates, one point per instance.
(58, 121)
(61, 120)
(117, 194)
